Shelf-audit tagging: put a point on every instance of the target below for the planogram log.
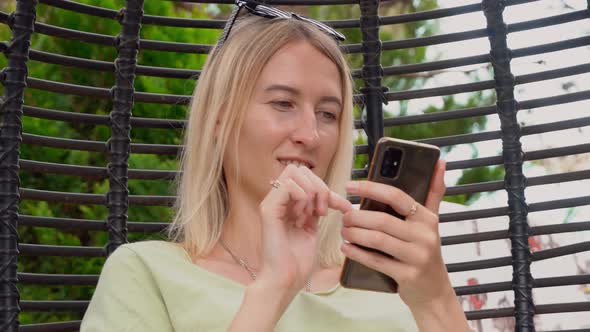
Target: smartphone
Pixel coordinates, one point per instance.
(405, 165)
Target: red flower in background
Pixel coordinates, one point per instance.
(534, 245)
(476, 301)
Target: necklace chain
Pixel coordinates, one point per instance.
(249, 269)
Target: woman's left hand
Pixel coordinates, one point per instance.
(417, 266)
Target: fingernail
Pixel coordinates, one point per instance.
(352, 186)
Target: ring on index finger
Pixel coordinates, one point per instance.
(275, 184)
(413, 209)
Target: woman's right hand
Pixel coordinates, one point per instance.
(290, 215)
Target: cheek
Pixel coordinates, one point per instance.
(265, 134)
(329, 139)
(329, 136)
(258, 136)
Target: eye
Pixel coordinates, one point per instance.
(283, 104)
(328, 115)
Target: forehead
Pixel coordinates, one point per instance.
(304, 67)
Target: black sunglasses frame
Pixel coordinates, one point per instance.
(262, 10)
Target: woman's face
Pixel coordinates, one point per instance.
(293, 115)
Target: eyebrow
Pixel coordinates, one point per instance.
(280, 87)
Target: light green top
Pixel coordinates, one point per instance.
(154, 286)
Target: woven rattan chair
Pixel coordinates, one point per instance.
(370, 77)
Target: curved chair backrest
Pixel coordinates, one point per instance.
(65, 180)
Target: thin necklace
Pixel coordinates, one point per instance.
(249, 269)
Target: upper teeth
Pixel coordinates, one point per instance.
(297, 163)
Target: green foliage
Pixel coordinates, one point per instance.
(401, 83)
(71, 103)
(474, 175)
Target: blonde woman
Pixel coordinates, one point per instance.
(256, 243)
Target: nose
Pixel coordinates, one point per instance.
(306, 130)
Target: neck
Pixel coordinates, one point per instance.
(242, 229)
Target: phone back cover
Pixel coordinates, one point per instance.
(414, 177)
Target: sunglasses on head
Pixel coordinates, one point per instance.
(259, 9)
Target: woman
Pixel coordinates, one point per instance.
(256, 243)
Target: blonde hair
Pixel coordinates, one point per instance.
(226, 81)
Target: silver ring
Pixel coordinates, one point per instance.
(413, 209)
(275, 183)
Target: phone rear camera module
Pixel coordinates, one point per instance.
(391, 162)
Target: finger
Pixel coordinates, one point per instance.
(339, 203)
(380, 221)
(322, 192)
(377, 240)
(290, 192)
(437, 187)
(376, 261)
(392, 196)
(298, 195)
(296, 174)
(312, 223)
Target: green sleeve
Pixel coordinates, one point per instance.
(126, 298)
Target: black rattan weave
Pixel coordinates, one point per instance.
(119, 147)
